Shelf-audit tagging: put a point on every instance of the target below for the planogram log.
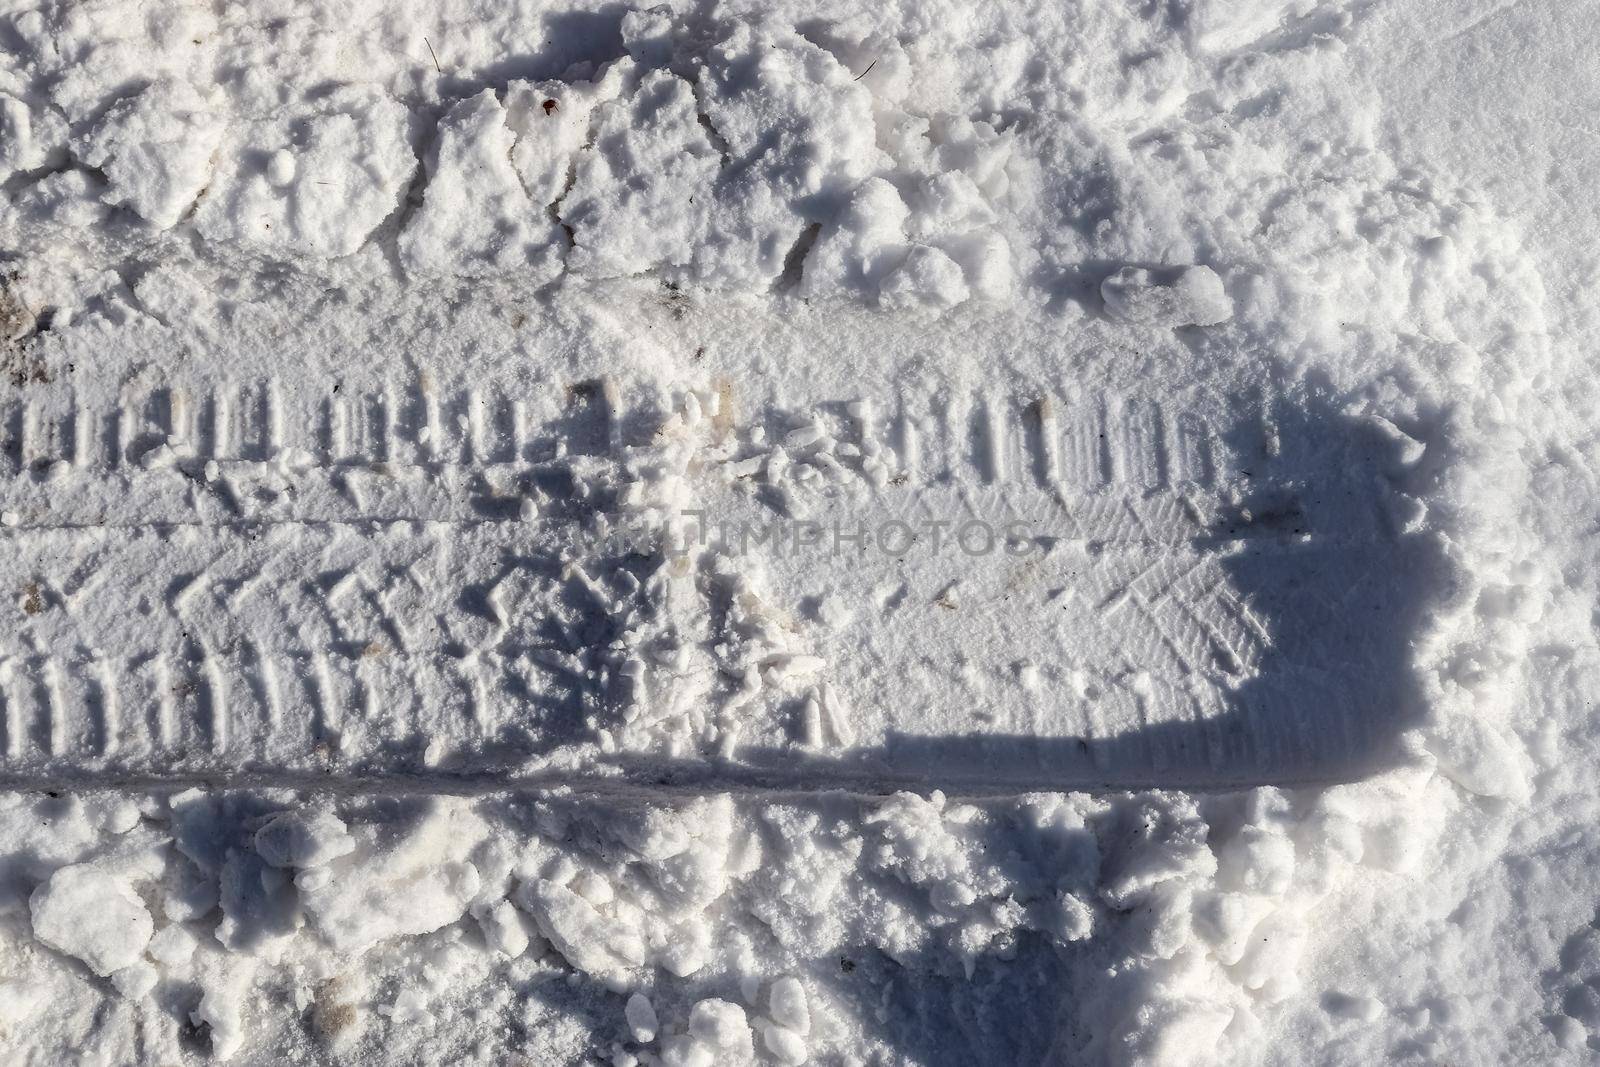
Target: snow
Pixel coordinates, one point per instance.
(476, 218)
(787, 1004)
(295, 840)
(156, 156)
(379, 890)
(92, 916)
(770, 533)
(641, 1018)
(1195, 297)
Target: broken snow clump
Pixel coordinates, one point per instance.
(313, 179)
(93, 916)
(477, 218)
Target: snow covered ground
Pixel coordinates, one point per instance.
(760, 533)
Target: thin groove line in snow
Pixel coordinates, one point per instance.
(621, 788)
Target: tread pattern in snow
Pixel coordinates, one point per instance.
(257, 574)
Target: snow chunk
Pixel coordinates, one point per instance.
(135, 981)
(413, 885)
(172, 946)
(952, 170)
(550, 121)
(156, 149)
(93, 916)
(720, 1024)
(476, 219)
(718, 1033)
(641, 191)
(648, 35)
(927, 278)
(985, 260)
(503, 929)
(221, 1009)
(641, 1016)
(351, 165)
(28, 137)
(66, 200)
(593, 887)
(296, 840)
(588, 940)
(787, 1005)
(950, 202)
(1196, 297)
(784, 1045)
(799, 135)
(863, 245)
(1163, 841)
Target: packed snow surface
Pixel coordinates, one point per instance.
(744, 533)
